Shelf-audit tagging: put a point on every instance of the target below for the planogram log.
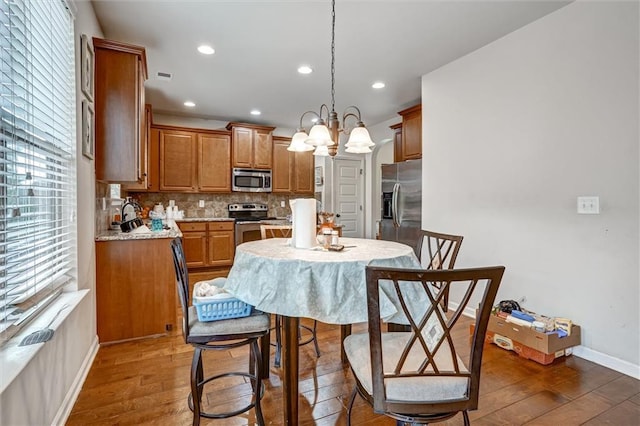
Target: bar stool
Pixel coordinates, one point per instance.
(219, 335)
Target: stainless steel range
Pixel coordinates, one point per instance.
(248, 217)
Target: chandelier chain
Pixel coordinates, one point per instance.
(333, 54)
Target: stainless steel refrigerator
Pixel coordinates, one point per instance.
(402, 202)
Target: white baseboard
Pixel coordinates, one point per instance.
(70, 399)
(619, 365)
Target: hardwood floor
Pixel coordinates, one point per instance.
(146, 382)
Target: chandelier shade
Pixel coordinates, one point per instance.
(319, 135)
(297, 142)
(324, 136)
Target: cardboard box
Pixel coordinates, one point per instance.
(541, 342)
(525, 351)
(539, 347)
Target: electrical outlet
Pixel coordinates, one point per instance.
(282, 203)
(201, 203)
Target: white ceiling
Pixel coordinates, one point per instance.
(260, 44)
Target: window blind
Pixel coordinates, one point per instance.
(37, 158)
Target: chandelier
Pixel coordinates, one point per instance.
(324, 136)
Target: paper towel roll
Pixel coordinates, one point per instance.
(303, 215)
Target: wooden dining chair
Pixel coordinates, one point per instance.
(275, 231)
(424, 375)
(439, 251)
(220, 335)
(285, 231)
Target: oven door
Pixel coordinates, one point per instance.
(247, 231)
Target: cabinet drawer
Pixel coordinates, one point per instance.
(193, 226)
(221, 226)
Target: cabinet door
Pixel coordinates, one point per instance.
(214, 163)
(412, 134)
(194, 244)
(283, 163)
(304, 173)
(143, 183)
(398, 155)
(221, 243)
(178, 153)
(119, 81)
(153, 170)
(262, 149)
(242, 147)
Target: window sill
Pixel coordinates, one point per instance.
(14, 358)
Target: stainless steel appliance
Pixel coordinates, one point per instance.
(402, 202)
(251, 180)
(248, 217)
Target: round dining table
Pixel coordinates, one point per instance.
(328, 286)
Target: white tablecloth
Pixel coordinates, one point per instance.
(323, 285)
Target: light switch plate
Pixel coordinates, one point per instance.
(589, 205)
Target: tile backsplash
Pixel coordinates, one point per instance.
(215, 205)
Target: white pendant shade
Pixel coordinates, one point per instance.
(319, 136)
(321, 151)
(359, 137)
(358, 149)
(297, 143)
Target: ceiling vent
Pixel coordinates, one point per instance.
(163, 76)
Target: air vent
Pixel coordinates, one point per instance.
(163, 76)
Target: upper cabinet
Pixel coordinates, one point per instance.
(120, 128)
(411, 133)
(149, 152)
(194, 160)
(252, 146)
(214, 162)
(292, 171)
(397, 142)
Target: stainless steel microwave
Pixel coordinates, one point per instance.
(251, 180)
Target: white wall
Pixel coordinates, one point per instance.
(520, 128)
(44, 391)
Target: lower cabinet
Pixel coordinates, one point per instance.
(209, 248)
(135, 289)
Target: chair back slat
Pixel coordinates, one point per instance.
(430, 349)
(441, 249)
(275, 231)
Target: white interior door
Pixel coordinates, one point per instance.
(349, 197)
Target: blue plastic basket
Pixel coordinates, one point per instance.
(215, 310)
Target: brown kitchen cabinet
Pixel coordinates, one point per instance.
(119, 108)
(411, 133)
(178, 156)
(292, 171)
(194, 160)
(214, 162)
(135, 289)
(150, 153)
(209, 248)
(252, 146)
(397, 142)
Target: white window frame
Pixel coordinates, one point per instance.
(37, 158)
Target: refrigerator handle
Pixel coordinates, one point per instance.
(394, 205)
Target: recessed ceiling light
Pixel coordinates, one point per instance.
(255, 112)
(206, 49)
(305, 69)
(189, 104)
(378, 85)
